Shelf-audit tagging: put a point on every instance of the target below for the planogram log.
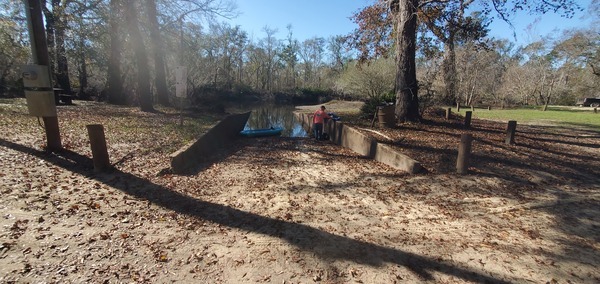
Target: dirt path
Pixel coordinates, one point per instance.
(286, 210)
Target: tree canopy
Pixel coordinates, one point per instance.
(97, 52)
(394, 22)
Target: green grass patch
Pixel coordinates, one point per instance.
(564, 116)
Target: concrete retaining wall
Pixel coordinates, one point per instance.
(213, 141)
(362, 144)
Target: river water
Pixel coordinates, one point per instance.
(276, 116)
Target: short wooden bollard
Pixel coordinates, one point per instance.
(510, 132)
(98, 144)
(468, 119)
(489, 108)
(458, 107)
(595, 110)
(464, 152)
(448, 113)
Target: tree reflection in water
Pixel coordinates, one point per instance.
(276, 116)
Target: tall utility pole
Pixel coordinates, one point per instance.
(39, 50)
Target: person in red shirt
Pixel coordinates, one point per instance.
(318, 119)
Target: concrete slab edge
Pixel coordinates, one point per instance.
(364, 145)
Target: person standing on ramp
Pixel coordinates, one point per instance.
(318, 120)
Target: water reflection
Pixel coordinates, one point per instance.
(276, 116)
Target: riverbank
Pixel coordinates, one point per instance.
(294, 210)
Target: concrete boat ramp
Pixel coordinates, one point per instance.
(226, 131)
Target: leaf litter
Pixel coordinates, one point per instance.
(291, 210)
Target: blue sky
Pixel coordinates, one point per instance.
(324, 18)
(308, 18)
(529, 28)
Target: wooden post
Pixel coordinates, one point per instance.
(180, 111)
(448, 113)
(52, 133)
(489, 108)
(457, 107)
(595, 110)
(510, 132)
(464, 152)
(98, 144)
(39, 51)
(468, 119)
(375, 117)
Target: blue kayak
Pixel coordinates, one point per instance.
(262, 132)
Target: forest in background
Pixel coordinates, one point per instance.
(125, 52)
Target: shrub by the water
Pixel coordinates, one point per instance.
(368, 110)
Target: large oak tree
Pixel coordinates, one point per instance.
(395, 21)
(405, 18)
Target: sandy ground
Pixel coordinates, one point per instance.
(294, 210)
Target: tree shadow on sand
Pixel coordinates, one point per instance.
(325, 245)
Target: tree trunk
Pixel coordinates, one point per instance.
(471, 97)
(407, 103)
(115, 82)
(160, 79)
(450, 63)
(143, 92)
(62, 65)
(82, 70)
(450, 69)
(50, 23)
(549, 94)
(595, 70)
